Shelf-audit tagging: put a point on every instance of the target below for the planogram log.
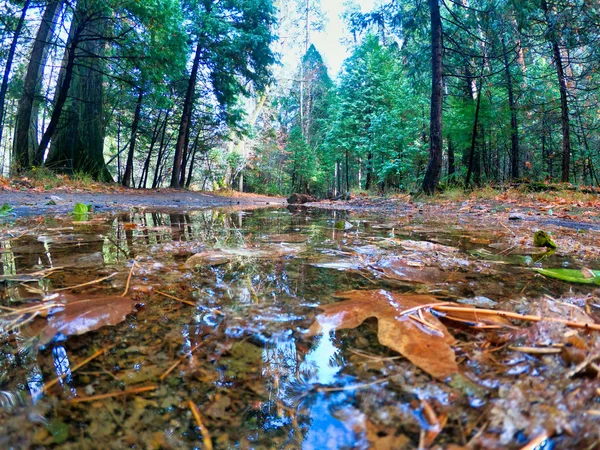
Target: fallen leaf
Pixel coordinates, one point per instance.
(585, 276)
(425, 246)
(424, 341)
(80, 314)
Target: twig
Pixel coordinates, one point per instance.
(164, 294)
(28, 277)
(77, 366)
(205, 434)
(511, 315)
(426, 324)
(373, 357)
(114, 394)
(170, 369)
(535, 350)
(99, 280)
(128, 280)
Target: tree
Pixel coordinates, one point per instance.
(25, 138)
(434, 167)
(232, 41)
(9, 62)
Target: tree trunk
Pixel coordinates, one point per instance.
(184, 125)
(62, 92)
(432, 175)
(451, 167)
(188, 181)
(78, 145)
(159, 156)
(369, 179)
(25, 138)
(514, 128)
(474, 165)
(347, 172)
(564, 104)
(146, 169)
(9, 61)
(128, 175)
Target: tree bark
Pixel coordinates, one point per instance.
(474, 165)
(62, 92)
(184, 125)
(155, 135)
(514, 127)
(128, 175)
(562, 86)
(25, 139)
(369, 178)
(451, 162)
(9, 61)
(188, 180)
(159, 156)
(432, 175)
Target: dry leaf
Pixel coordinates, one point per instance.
(421, 338)
(80, 314)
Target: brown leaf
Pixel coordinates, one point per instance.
(83, 313)
(424, 341)
(396, 268)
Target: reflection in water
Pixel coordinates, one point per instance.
(62, 367)
(35, 383)
(322, 362)
(257, 379)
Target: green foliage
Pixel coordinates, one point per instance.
(542, 239)
(5, 209)
(81, 212)
(584, 276)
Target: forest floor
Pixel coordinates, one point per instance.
(570, 209)
(31, 200)
(189, 318)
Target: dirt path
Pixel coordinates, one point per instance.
(568, 213)
(28, 203)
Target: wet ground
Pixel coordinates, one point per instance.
(61, 201)
(194, 332)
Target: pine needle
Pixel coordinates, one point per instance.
(99, 280)
(512, 315)
(114, 394)
(205, 434)
(164, 294)
(128, 280)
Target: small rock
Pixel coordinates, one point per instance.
(516, 216)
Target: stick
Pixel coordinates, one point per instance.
(512, 315)
(99, 280)
(205, 434)
(187, 302)
(535, 350)
(114, 394)
(128, 280)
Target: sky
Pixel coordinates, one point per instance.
(328, 40)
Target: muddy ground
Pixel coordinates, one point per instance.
(28, 202)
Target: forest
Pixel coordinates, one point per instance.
(300, 224)
(210, 95)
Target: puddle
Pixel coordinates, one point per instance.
(237, 348)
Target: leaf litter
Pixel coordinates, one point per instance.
(271, 335)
